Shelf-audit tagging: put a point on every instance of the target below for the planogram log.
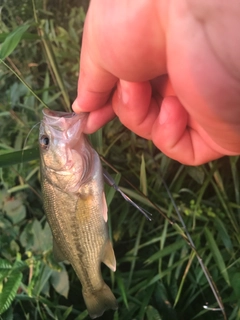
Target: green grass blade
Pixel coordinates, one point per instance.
(97, 140)
(18, 157)
(143, 177)
(146, 300)
(122, 288)
(223, 234)
(12, 40)
(135, 251)
(67, 313)
(83, 315)
(217, 254)
(166, 251)
(184, 278)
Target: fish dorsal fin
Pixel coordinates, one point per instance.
(105, 208)
(57, 253)
(109, 257)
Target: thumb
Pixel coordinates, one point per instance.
(95, 86)
(95, 83)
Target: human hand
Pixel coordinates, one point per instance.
(169, 71)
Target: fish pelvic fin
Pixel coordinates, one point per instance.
(109, 257)
(99, 301)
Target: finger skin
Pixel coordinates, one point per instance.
(164, 121)
(173, 134)
(135, 107)
(112, 49)
(164, 70)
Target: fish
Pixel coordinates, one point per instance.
(75, 204)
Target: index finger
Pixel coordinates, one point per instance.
(95, 84)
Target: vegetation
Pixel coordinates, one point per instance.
(158, 274)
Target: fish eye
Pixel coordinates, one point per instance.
(44, 141)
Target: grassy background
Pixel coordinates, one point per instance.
(158, 275)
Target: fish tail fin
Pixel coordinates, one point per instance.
(99, 301)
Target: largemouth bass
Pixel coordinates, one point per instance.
(75, 205)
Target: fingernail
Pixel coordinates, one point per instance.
(119, 91)
(124, 91)
(164, 113)
(75, 107)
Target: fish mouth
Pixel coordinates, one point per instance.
(63, 121)
(58, 114)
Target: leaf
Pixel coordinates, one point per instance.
(5, 269)
(235, 281)
(197, 173)
(12, 40)
(35, 238)
(26, 237)
(166, 251)
(41, 276)
(17, 157)
(148, 293)
(7, 315)
(9, 290)
(46, 242)
(67, 313)
(97, 140)
(152, 313)
(217, 254)
(4, 264)
(143, 177)
(223, 234)
(163, 302)
(116, 315)
(83, 315)
(15, 209)
(122, 289)
(37, 235)
(60, 281)
(25, 36)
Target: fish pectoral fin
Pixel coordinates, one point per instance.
(109, 257)
(105, 208)
(57, 253)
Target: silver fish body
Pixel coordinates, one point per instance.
(75, 205)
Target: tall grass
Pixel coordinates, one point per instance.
(158, 274)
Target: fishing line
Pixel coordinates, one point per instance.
(211, 309)
(109, 180)
(25, 141)
(186, 236)
(136, 189)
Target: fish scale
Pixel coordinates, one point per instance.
(75, 205)
(64, 223)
